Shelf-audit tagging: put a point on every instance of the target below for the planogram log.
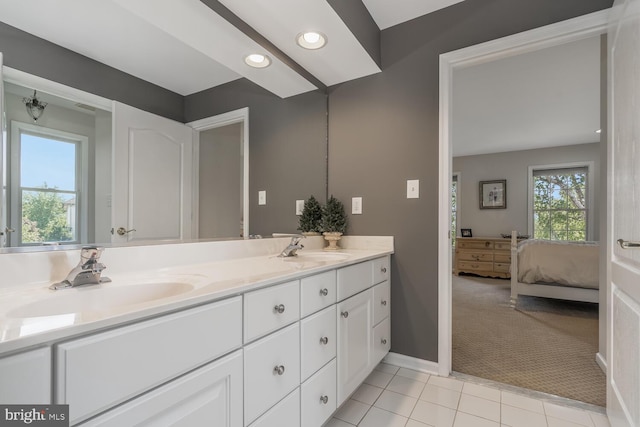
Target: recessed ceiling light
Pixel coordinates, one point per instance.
(599, 131)
(311, 40)
(257, 60)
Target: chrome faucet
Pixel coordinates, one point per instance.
(294, 245)
(87, 272)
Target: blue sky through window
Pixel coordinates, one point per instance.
(47, 160)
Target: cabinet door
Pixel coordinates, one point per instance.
(26, 378)
(355, 328)
(209, 396)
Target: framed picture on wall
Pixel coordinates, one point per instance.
(493, 194)
(466, 232)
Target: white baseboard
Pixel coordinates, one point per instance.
(602, 362)
(414, 363)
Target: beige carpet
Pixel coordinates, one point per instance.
(545, 345)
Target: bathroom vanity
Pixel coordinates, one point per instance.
(235, 334)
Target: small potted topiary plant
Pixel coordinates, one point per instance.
(309, 222)
(334, 222)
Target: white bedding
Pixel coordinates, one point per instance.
(565, 263)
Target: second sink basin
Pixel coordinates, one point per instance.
(99, 298)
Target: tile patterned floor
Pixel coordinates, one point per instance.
(399, 397)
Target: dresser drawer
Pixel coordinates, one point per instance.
(502, 257)
(502, 246)
(473, 244)
(381, 269)
(285, 414)
(354, 279)
(271, 370)
(318, 396)
(99, 371)
(318, 341)
(381, 340)
(317, 292)
(501, 267)
(268, 309)
(381, 302)
(475, 256)
(474, 266)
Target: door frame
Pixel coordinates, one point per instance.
(590, 25)
(240, 115)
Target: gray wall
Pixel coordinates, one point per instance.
(42, 58)
(514, 167)
(383, 130)
(220, 182)
(287, 148)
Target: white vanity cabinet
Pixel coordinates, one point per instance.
(25, 378)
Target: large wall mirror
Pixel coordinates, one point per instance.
(62, 173)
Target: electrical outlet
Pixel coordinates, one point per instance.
(262, 197)
(299, 207)
(356, 205)
(413, 189)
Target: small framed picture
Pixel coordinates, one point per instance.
(466, 232)
(493, 194)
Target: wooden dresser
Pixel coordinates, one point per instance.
(484, 256)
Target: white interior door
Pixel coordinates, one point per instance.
(152, 176)
(623, 376)
(3, 134)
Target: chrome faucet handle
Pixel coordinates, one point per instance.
(89, 256)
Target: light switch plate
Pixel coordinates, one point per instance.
(262, 197)
(299, 207)
(356, 205)
(413, 189)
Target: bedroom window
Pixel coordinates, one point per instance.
(560, 203)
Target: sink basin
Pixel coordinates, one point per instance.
(92, 299)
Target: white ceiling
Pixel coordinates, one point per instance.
(546, 98)
(185, 47)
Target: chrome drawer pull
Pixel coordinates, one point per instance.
(383, 341)
(624, 244)
(324, 340)
(345, 314)
(324, 292)
(324, 399)
(383, 302)
(278, 370)
(383, 269)
(279, 308)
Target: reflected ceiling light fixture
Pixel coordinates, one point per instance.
(257, 60)
(599, 131)
(35, 107)
(311, 40)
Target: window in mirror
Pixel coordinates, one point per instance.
(48, 185)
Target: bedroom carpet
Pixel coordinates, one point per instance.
(545, 345)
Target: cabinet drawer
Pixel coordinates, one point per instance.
(318, 396)
(354, 279)
(104, 369)
(285, 414)
(501, 267)
(381, 269)
(474, 256)
(317, 292)
(268, 309)
(26, 377)
(318, 341)
(474, 244)
(381, 340)
(263, 384)
(502, 246)
(381, 302)
(211, 395)
(502, 257)
(475, 266)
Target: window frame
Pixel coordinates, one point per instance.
(589, 165)
(14, 207)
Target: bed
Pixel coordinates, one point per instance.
(550, 269)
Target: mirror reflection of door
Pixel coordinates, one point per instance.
(221, 182)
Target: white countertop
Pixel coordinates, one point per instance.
(31, 314)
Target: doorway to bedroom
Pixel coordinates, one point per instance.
(526, 157)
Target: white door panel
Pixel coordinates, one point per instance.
(3, 171)
(623, 375)
(152, 176)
